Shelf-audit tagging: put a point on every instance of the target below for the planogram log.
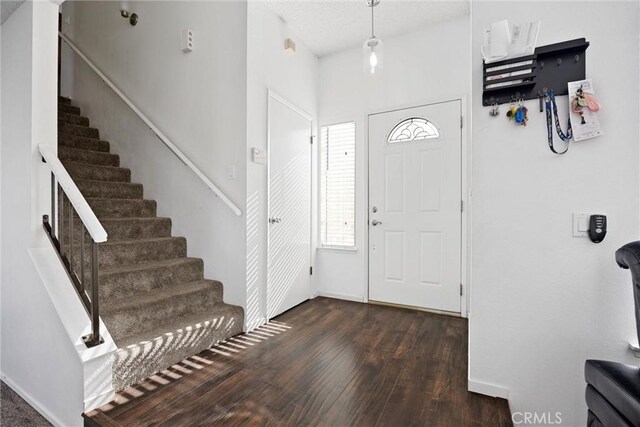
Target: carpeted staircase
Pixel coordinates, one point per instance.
(155, 301)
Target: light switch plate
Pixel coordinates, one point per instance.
(186, 42)
(258, 156)
(581, 224)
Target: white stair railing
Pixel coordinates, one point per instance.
(161, 136)
(60, 228)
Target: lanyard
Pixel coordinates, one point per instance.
(550, 101)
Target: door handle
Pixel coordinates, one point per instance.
(375, 222)
(275, 220)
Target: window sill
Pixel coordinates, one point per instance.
(338, 248)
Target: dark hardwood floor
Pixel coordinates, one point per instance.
(326, 362)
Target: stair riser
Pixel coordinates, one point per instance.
(135, 228)
(130, 283)
(110, 190)
(81, 171)
(88, 157)
(111, 208)
(118, 254)
(64, 100)
(82, 142)
(139, 361)
(78, 130)
(70, 109)
(74, 119)
(137, 252)
(126, 322)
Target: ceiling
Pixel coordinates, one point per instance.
(7, 7)
(327, 26)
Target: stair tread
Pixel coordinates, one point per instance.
(122, 200)
(108, 182)
(74, 125)
(110, 189)
(134, 218)
(70, 135)
(104, 153)
(74, 119)
(68, 108)
(77, 129)
(139, 241)
(149, 265)
(80, 142)
(71, 163)
(157, 296)
(122, 208)
(180, 323)
(90, 157)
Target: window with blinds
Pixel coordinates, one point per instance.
(338, 184)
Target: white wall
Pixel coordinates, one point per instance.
(542, 301)
(293, 77)
(197, 99)
(37, 358)
(419, 68)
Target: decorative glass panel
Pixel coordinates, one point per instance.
(412, 129)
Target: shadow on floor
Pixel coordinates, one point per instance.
(15, 412)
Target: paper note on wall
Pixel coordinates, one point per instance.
(584, 120)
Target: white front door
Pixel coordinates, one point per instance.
(415, 206)
(289, 222)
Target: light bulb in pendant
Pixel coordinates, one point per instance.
(372, 50)
(373, 61)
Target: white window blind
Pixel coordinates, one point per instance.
(338, 184)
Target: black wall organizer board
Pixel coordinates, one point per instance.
(550, 67)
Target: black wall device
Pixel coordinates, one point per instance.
(597, 228)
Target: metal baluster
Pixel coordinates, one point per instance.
(70, 237)
(61, 219)
(81, 257)
(53, 205)
(95, 306)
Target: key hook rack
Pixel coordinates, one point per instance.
(550, 67)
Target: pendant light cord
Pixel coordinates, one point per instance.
(372, 6)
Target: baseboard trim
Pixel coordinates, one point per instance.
(488, 389)
(31, 401)
(340, 296)
(248, 327)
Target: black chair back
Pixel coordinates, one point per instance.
(628, 257)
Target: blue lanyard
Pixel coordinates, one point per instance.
(550, 101)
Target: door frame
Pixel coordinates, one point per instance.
(465, 196)
(271, 97)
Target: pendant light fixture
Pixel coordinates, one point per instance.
(372, 47)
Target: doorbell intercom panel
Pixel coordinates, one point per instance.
(597, 227)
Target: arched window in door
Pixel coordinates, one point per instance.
(412, 129)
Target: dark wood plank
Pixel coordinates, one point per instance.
(326, 362)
